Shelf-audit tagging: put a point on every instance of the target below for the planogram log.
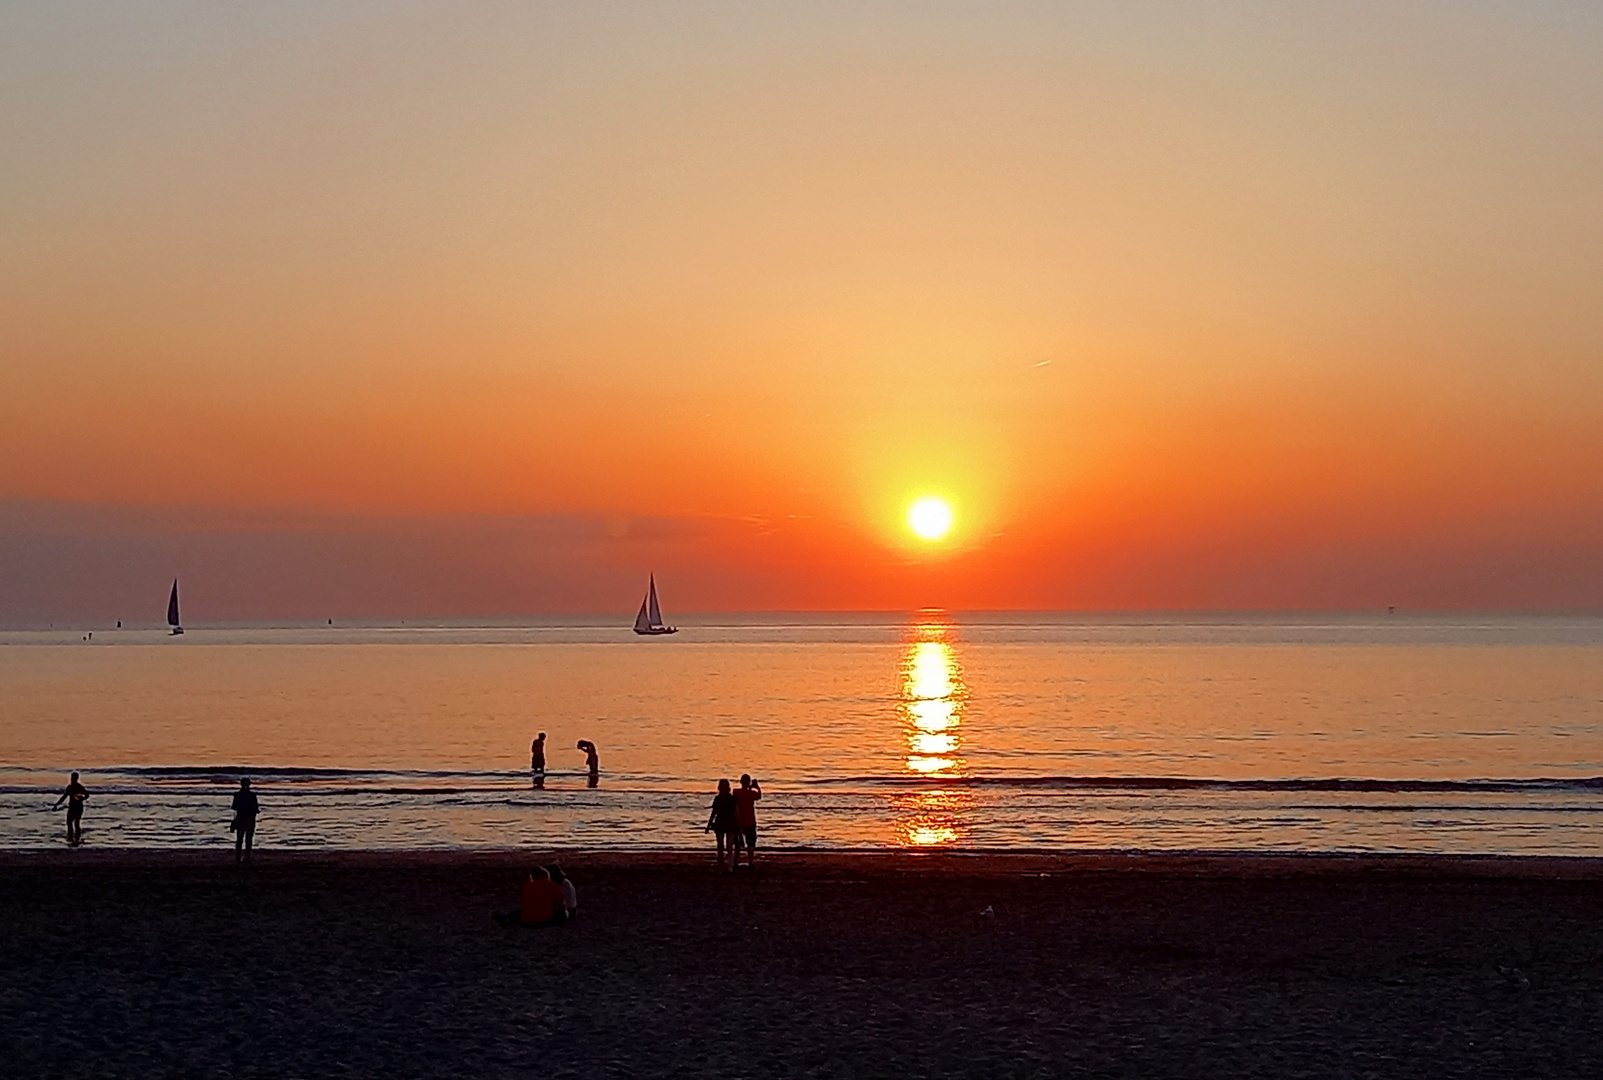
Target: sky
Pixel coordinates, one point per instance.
(481, 309)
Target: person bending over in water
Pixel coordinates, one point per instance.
(721, 822)
(74, 797)
(537, 755)
(746, 818)
(540, 904)
(591, 760)
(244, 824)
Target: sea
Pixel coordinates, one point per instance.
(1349, 732)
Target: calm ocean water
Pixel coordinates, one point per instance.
(1294, 732)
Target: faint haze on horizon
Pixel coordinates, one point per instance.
(493, 309)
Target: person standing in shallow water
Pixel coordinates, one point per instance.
(245, 810)
(592, 760)
(746, 819)
(537, 755)
(74, 797)
(722, 823)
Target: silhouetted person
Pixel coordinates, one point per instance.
(746, 818)
(540, 904)
(244, 824)
(537, 755)
(591, 760)
(74, 797)
(722, 823)
(570, 895)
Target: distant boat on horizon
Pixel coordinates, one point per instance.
(649, 621)
(172, 610)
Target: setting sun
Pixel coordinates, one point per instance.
(930, 518)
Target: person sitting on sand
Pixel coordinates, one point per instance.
(537, 755)
(591, 760)
(540, 904)
(570, 895)
(244, 824)
(74, 797)
(721, 822)
(746, 818)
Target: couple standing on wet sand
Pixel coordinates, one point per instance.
(734, 821)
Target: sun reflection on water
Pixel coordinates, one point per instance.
(931, 708)
(931, 818)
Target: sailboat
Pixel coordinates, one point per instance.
(649, 621)
(172, 610)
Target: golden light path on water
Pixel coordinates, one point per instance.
(931, 708)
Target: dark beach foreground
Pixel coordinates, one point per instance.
(135, 964)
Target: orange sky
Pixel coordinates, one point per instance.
(1248, 308)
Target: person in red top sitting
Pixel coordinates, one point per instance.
(540, 905)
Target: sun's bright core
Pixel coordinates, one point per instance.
(930, 518)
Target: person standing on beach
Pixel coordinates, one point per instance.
(244, 824)
(722, 824)
(537, 755)
(746, 819)
(74, 797)
(593, 761)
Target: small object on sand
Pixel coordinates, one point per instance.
(989, 912)
(1514, 977)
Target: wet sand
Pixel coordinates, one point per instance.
(358, 964)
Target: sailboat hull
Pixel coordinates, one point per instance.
(656, 631)
(176, 631)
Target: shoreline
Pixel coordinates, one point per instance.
(966, 862)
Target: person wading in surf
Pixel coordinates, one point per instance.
(746, 820)
(74, 797)
(592, 760)
(244, 824)
(721, 822)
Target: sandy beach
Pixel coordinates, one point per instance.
(143, 964)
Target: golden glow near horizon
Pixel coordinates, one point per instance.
(930, 517)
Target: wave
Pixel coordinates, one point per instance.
(153, 779)
(1186, 783)
(398, 781)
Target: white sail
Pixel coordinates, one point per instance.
(649, 621)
